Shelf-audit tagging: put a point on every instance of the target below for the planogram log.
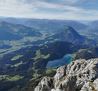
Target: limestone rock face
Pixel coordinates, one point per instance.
(79, 75)
(90, 86)
(45, 85)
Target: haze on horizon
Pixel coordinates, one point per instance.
(50, 9)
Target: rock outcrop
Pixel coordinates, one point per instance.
(79, 75)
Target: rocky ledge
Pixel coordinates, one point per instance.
(79, 75)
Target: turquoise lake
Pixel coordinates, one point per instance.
(59, 62)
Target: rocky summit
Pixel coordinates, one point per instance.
(79, 75)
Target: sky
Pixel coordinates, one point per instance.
(50, 9)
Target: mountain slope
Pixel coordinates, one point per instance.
(10, 31)
(87, 53)
(68, 34)
(30, 63)
(91, 31)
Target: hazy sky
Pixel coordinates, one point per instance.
(51, 9)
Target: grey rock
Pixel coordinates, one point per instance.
(46, 84)
(79, 75)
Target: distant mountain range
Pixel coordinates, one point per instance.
(9, 31)
(44, 23)
(28, 45)
(88, 29)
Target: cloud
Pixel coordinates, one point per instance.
(51, 9)
(14, 8)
